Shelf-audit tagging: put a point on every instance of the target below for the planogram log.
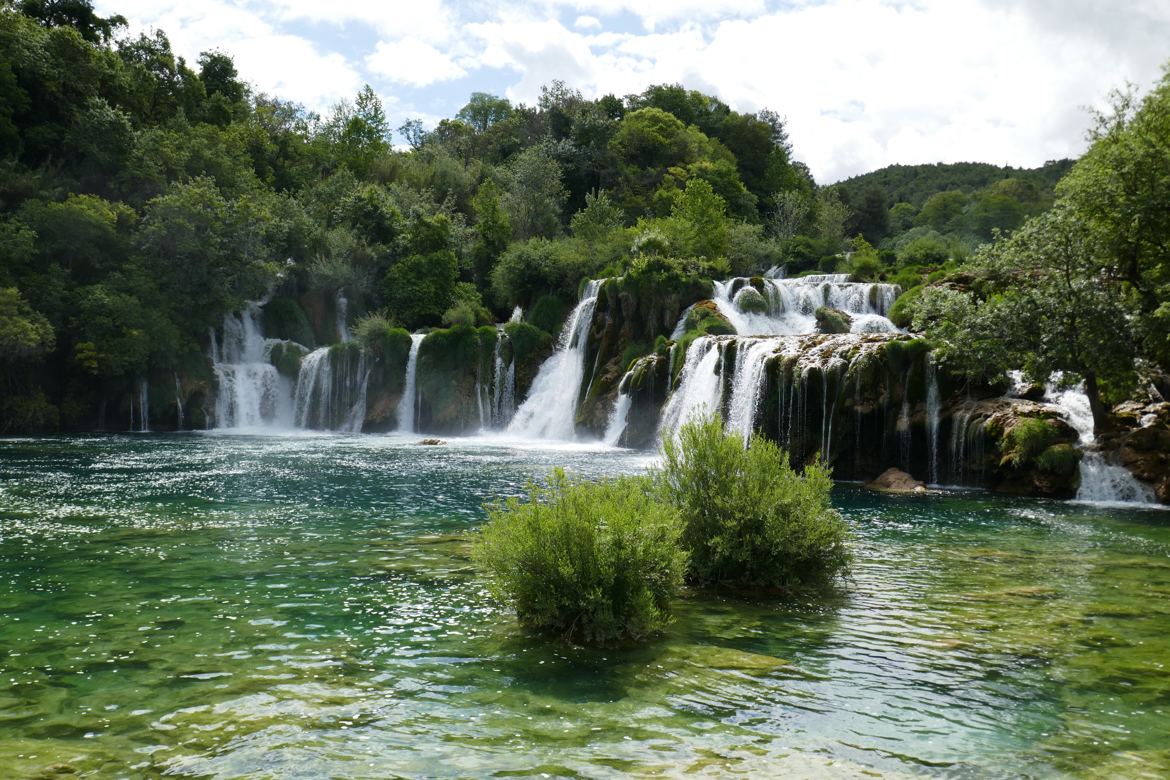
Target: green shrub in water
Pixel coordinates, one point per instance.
(591, 562)
(749, 519)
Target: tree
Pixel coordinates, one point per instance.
(419, 287)
(1052, 308)
(534, 196)
(24, 332)
(492, 231)
(484, 110)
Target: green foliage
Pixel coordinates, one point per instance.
(284, 318)
(286, 356)
(548, 314)
(1024, 442)
(534, 195)
(526, 340)
(902, 312)
(468, 308)
(532, 269)
(1059, 459)
(588, 562)
(35, 414)
(749, 519)
(24, 332)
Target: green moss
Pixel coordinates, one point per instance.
(1024, 442)
(287, 356)
(750, 301)
(830, 320)
(284, 318)
(1059, 459)
(631, 353)
(548, 314)
(526, 340)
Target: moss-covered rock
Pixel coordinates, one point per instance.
(285, 318)
(454, 364)
(287, 356)
(390, 350)
(830, 320)
(528, 346)
(749, 300)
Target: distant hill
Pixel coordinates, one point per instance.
(915, 183)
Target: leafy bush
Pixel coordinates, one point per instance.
(548, 314)
(285, 318)
(750, 301)
(902, 312)
(749, 519)
(591, 562)
(1059, 459)
(1027, 439)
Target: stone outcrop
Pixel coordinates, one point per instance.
(894, 480)
(1142, 444)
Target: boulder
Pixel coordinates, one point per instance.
(894, 480)
(431, 442)
(830, 320)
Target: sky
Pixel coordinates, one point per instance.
(862, 83)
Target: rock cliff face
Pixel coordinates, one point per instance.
(1142, 444)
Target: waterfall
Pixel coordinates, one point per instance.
(178, 403)
(406, 406)
(550, 410)
(619, 417)
(143, 424)
(330, 391)
(517, 315)
(748, 385)
(1101, 481)
(905, 437)
(342, 318)
(933, 404)
(699, 389)
(960, 422)
(503, 400)
(251, 393)
(791, 304)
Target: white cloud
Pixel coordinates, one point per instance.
(411, 61)
(429, 20)
(863, 83)
(275, 62)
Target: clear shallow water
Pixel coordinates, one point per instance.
(227, 606)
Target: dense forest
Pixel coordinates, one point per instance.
(142, 197)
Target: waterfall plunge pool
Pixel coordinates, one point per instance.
(224, 606)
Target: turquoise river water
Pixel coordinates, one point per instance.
(304, 607)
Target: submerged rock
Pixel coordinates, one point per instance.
(894, 480)
(431, 442)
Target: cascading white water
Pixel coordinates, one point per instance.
(143, 424)
(330, 392)
(1101, 481)
(342, 318)
(549, 411)
(620, 416)
(251, 393)
(406, 407)
(747, 385)
(699, 389)
(178, 403)
(792, 304)
(933, 406)
(503, 401)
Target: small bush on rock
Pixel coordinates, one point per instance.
(749, 519)
(591, 562)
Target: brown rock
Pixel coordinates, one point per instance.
(894, 480)
(431, 442)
